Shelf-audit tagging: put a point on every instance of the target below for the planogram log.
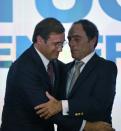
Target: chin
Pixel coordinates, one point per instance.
(74, 56)
(55, 57)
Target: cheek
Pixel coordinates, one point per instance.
(84, 46)
(50, 48)
(81, 47)
(53, 50)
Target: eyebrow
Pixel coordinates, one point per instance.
(78, 36)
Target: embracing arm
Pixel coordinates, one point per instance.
(50, 109)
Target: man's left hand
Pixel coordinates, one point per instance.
(50, 108)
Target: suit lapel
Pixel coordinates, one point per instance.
(56, 73)
(69, 66)
(84, 74)
(40, 66)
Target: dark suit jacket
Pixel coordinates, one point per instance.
(93, 93)
(27, 82)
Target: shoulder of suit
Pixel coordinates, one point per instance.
(108, 64)
(24, 59)
(105, 61)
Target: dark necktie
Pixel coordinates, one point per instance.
(50, 71)
(75, 75)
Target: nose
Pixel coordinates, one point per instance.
(60, 49)
(72, 44)
(71, 41)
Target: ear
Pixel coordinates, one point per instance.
(93, 41)
(39, 39)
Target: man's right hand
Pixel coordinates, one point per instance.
(98, 126)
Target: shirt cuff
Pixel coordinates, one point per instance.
(83, 125)
(65, 107)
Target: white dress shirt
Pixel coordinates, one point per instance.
(43, 58)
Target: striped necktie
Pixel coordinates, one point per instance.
(50, 71)
(75, 75)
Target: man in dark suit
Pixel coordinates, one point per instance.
(28, 79)
(91, 95)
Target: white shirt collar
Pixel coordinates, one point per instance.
(44, 59)
(85, 60)
(88, 57)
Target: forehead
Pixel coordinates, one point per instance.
(56, 37)
(76, 29)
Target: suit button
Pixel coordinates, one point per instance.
(79, 114)
(76, 114)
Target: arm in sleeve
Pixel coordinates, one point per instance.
(33, 86)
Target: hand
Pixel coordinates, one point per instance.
(50, 108)
(98, 126)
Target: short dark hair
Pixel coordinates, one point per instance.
(47, 26)
(89, 28)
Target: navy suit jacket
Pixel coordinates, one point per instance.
(93, 94)
(27, 82)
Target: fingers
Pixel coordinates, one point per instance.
(49, 108)
(44, 113)
(40, 111)
(109, 128)
(106, 127)
(47, 116)
(40, 106)
(98, 126)
(49, 96)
